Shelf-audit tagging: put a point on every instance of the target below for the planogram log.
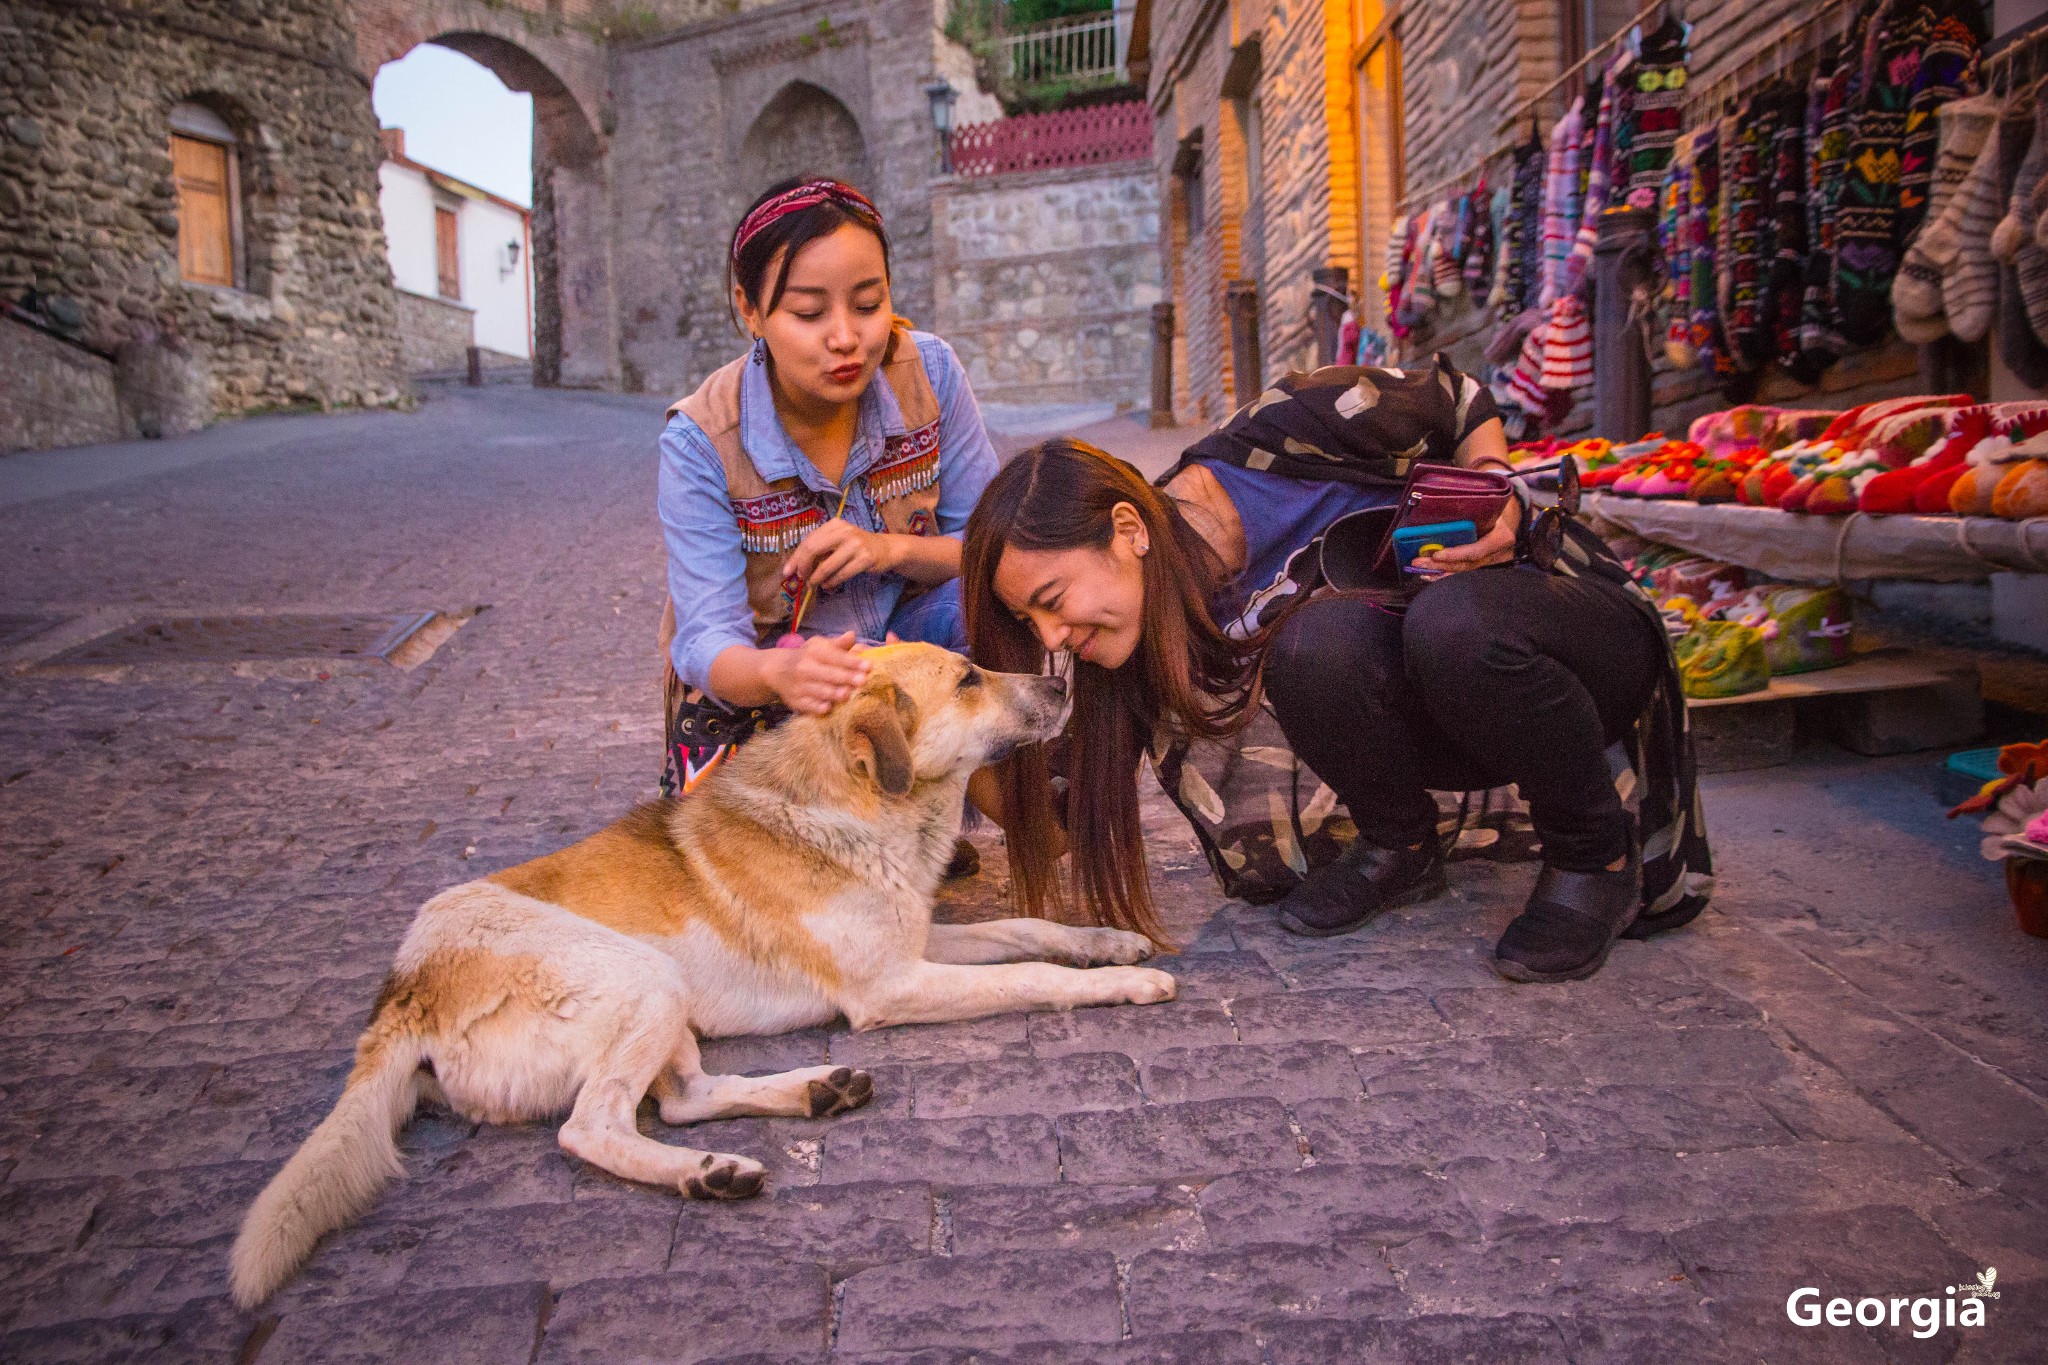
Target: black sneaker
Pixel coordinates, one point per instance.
(1351, 892)
(966, 861)
(1571, 923)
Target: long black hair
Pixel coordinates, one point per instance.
(1187, 673)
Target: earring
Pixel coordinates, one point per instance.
(1140, 548)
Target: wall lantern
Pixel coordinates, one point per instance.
(942, 94)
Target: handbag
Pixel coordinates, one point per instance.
(1357, 551)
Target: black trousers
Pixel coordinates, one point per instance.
(1496, 675)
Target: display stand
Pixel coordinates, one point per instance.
(1815, 549)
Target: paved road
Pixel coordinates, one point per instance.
(1344, 1150)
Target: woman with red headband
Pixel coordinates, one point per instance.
(813, 491)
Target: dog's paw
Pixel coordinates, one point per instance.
(725, 1177)
(1144, 985)
(844, 1089)
(1113, 947)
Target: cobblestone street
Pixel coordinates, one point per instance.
(1341, 1150)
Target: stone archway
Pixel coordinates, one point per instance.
(803, 130)
(575, 322)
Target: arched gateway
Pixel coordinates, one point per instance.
(562, 66)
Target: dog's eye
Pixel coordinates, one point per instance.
(972, 678)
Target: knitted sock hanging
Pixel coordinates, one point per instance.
(1827, 148)
(1948, 69)
(1478, 260)
(1784, 273)
(1705, 228)
(1674, 237)
(1646, 129)
(1969, 275)
(1561, 200)
(1505, 246)
(1531, 172)
(1965, 125)
(2023, 267)
(1599, 173)
(1866, 256)
(1744, 190)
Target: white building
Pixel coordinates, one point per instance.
(462, 259)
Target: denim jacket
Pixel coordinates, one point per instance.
(706, 564)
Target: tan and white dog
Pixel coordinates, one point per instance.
(794, 885)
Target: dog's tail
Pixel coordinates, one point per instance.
(340, 1170)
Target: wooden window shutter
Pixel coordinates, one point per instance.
(447, 262)
(206, 253)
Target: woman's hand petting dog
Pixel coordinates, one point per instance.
(818, 676)
(1495, 547)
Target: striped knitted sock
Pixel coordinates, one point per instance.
(1969, 283)
(2030, 262)
(1916, 292)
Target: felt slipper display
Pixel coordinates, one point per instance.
(1937, 454)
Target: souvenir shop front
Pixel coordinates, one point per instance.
(1787, 309)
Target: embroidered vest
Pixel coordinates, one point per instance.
(774, 516)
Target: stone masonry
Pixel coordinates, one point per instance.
(1366, 1148)
(88, 208)
(1044, 281)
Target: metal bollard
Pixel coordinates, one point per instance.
(476, 368)
(1241, 308)
(1162, 365)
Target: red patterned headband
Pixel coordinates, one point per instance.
(807, 195)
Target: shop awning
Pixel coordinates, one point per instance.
(1811, 549)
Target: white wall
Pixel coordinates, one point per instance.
(498, 293)
(408, 205)
(500, 298)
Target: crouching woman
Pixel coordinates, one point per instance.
(1523, 664)
(812, 491)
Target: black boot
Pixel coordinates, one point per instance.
(1350, 892)
(1571, 922)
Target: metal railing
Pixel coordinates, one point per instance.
(1081, 49)
(1068, 137)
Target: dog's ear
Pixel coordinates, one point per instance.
(876, 742)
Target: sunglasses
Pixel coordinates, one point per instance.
(1545, 541)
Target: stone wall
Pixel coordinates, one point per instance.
(88, 206)
(711, 114)
(1044, 282)
(434, 335)
(53, 393)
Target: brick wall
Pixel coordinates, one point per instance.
(88, 206)
(1044, 282)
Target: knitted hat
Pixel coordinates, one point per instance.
(1568, 346)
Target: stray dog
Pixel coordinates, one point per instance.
(794, 885)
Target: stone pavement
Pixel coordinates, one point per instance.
(1365, 1148)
